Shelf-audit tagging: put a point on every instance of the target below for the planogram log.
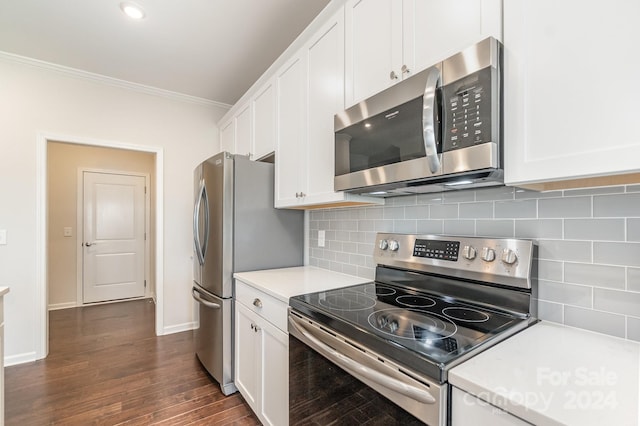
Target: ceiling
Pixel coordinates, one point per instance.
(211, 49)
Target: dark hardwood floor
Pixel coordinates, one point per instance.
(107, 367)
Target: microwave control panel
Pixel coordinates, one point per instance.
(470, 110)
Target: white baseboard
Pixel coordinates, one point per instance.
(19, 359)
(179, 328)
(66, 305)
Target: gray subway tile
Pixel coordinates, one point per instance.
(416, 212)
(357, 236)
(516, 209)
(497, 193)
(539, 228)
(335, 266)
(550, 311)
(633, 188)
(495, 228)
(366, 249)
(430, 226)
(343, 214)
(444, 211)
(633, 230)
(343, 257)
(633, 329)
(570, 294)
(324, 224)
(349, 247)
(459, 227)
(595, 275)
(330, 235)
(350, 269)
(313, 224)
(616, 301)
(594, 229)
(522, 194)
(316, 215)
(368, 273)
(329, 255)
(625, 254)
(633, 279)
(459, 196)
(330, 214)
(361, 212)
(564, 207)
(383, 226)
(601, 322)
(357, 259)
(375, 213)
(313, 261)
(550, 270)
(482, 210)
(342, 235)
(394, 212)
(622, 205)
(572, 251)
(407, 200)
(405, 226)
(316, 252)
(595, 191)
(324, 264)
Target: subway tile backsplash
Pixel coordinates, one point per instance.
(588, 243)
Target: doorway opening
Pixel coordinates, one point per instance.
(62, 163)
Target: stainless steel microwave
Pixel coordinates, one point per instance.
(435, 131)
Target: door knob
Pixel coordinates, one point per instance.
(88, 244)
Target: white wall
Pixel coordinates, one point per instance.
(34, 100)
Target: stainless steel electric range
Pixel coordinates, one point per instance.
(379, 353)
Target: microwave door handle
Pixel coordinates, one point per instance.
(429, 108)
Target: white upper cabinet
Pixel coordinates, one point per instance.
(310, 91)
(264, 121)
(571, 92)
(389, 40)
(290, 117)
(243, 131)
(228, 136)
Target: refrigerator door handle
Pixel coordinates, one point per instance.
(200, 248)
(196, 295)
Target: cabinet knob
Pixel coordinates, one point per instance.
(405, 69)
(393, 75)
(257, 303)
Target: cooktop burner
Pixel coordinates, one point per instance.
(465, 314)
(347, 301)
(412, 324)
(380, 290)
(415, 301)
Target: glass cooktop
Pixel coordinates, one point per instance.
(403, 323)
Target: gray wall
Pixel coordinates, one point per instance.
(589, 243)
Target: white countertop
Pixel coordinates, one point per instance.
(551, 374)
(286, 282)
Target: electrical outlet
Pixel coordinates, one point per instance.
(320, 238)
(67, 232)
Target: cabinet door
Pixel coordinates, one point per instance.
(247, 355)
(243, 130)
(275, 375)
(228, 137)
(325, 59)
(467, 410)
(290, 113)
(264, 121)
(571, 89)
(373, 47)
(433, 30)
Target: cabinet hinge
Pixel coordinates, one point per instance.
(145, 283)
(145, 189)
(145, 236)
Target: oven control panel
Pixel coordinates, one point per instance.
(436, 249)
(505, 261)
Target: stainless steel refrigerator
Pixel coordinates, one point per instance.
(235, 229)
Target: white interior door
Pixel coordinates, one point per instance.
(114, 237)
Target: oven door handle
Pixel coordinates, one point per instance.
(360, 370)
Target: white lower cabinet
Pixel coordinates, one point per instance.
(468, 410)
(262, 354)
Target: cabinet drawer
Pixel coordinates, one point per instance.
(271, 309)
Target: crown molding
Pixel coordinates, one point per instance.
(109, 81)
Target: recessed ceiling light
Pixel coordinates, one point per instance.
(132, 10)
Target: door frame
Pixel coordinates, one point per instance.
(80, 226)
(41, 287)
